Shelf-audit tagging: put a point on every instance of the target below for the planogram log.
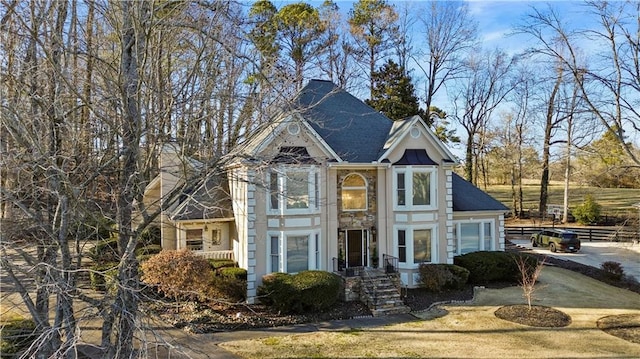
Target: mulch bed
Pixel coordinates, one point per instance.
(624, 326)
(534, 316)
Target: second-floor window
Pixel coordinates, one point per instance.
(354, 193)
(294, 190)
(415, 188)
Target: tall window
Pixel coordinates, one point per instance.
(297, 190)
(297, 253)
(354, 193)
(402, 246)
(293, 190)
(421, 245)
(274, 253)
(415, 188)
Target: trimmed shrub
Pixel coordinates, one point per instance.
(178, 274)
(15, 336)
(486, 267)
(104, 276)
(303, 292)
(231, 289)
(436, 277)
(221, 263)
(233, 273)
(613, 270)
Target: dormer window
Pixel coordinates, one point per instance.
(354, 193)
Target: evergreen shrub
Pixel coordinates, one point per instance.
(493, 266)
(436, 277)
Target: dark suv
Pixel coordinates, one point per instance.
(557, 239)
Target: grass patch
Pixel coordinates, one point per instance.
(614, 201)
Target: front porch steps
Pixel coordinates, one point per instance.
(380, 293)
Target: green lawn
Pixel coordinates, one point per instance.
(614, 201)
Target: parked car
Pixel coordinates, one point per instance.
(557, 240)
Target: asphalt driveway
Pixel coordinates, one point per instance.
(595, 253)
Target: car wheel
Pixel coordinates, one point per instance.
(552, 247)
(534, 243)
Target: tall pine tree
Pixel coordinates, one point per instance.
(393, 93)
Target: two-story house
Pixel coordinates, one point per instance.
(329, 184)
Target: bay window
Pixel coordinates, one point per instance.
(294, 190)
(415, 188)
(293, 252)
(415, 245)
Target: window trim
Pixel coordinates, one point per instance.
(282, 173)
(314, 254)
(409, 248)
(408, 172)
(481, 235)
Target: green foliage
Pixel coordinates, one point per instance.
(393, 93)
(91, 227)
(105, 251)
(300, 293)
(151, 235)
(221, 263)
(15, 336)
(587, 212)
(149, 249)
(178, 274)
(103, 277)
(436, 277)
(486, 267)
(613, 270)
(233, 273)
(228, 288)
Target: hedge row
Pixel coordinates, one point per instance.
(307, 291)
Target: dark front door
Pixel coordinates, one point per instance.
(356, 248)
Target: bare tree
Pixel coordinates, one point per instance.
(608, 80)
(449, 34)
(486, 84)
(529, 275)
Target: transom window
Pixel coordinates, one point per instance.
(415, 188)
(354, 193)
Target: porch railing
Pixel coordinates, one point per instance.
(389, 263)
(215, 254)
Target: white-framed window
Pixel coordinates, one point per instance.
(415, 188)
(194, 239)
(354, 193)
(293, 190)
(293, 251)
(473, 236)
(216, 237)
(415, 244)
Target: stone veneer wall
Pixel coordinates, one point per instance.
(358, 219)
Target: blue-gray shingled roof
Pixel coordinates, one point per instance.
(354, 130)
(467, 197)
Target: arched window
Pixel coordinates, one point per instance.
(354, 193)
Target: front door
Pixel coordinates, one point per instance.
(357, 247)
